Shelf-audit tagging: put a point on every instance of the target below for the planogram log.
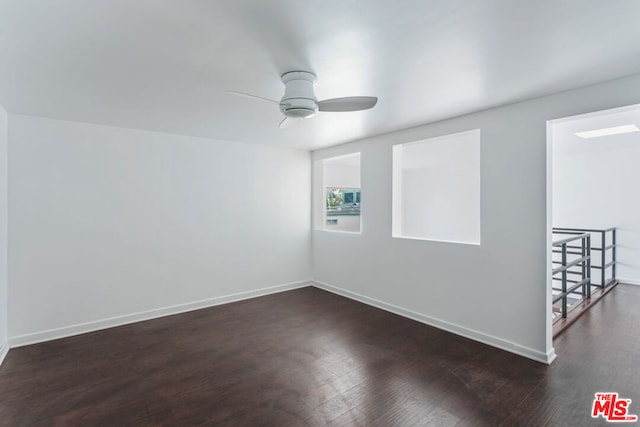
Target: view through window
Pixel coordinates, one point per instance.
(343, 205)
(342, 196)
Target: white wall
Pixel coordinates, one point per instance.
(4, 347)
(110, 223)
(595, 185)
(339, 176)
(498, 292)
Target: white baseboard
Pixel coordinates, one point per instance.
(500, 343)
(4, 350)
(82, 328)
(628, 281)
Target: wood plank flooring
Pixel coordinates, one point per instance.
(308, 357)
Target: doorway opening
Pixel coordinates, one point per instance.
(594, 217)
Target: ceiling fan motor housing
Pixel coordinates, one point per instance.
(299, 100)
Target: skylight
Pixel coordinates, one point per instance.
(607, 131)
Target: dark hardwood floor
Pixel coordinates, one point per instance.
(308, 357)
(560, 325)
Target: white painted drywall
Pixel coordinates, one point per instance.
(498, 292)
(438, 189)
(108, 222)
(3, 234)
(595, 185)
(341, 176)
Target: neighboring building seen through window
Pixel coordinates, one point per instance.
(343, 203)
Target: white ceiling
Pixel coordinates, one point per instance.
(165, 65)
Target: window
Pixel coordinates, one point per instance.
(337, 182)
(436, 189)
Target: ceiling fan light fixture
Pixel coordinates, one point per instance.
(299, 100)
(299, 113)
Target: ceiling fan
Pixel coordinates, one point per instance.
(300, 102)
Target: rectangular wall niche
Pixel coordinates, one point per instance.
(338, 197)
(436, 189)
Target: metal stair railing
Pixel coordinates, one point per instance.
(575, 260)
(607, 252)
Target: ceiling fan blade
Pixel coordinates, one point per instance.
(349, 103)
(287, 122)
(248, 95)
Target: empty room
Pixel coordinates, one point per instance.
(341, 213)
